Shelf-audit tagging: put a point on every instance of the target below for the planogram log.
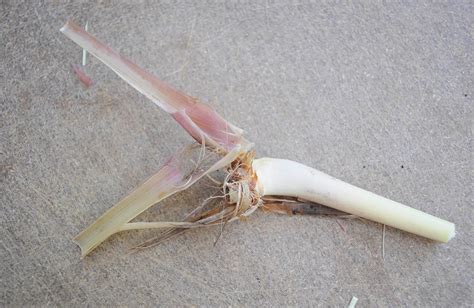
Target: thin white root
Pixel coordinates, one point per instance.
(84, 52)
(154, 225)
(353, 302)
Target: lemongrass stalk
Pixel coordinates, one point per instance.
(244, 186)
(282, 177)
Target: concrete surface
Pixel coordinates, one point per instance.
(377, 95)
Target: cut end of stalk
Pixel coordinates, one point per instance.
(448, 233)
(84, 250)
(66, 25)
(452, 233)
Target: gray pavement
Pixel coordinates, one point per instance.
(377, 95)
